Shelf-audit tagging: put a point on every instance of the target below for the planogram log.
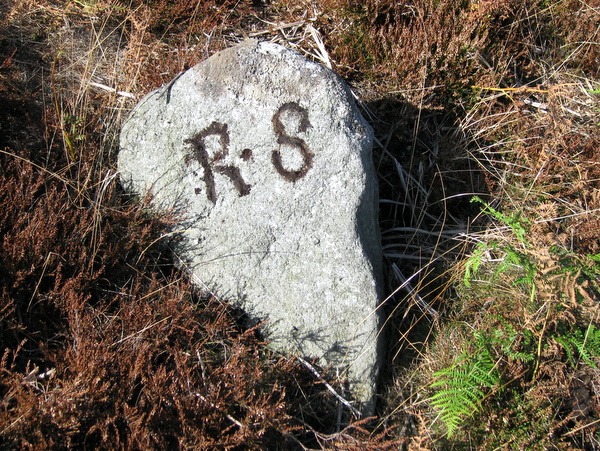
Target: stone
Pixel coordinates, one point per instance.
(269, 161)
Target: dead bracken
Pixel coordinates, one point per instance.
(105, 344)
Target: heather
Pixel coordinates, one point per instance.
(486, 119)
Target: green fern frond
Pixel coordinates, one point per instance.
(592, 270)
(518, 225)
(590, 347)
(455, 404)
(506, 337)
(463, 386)
(587, 345)
(566, 344)
(473, 263)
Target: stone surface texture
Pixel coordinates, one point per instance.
(269, 161)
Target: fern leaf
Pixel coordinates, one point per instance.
(455, 404)
(461, 386)
(587, 345)
(473, 263)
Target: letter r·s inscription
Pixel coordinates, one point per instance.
(283, 138)
(200, 154)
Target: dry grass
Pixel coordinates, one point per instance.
(104, 344)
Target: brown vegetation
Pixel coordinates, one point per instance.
(105, 344)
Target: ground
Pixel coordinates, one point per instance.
(486, 116)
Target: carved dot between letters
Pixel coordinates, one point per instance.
(246, 154)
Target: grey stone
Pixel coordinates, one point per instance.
(269, 159)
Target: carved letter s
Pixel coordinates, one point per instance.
(283, 138)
